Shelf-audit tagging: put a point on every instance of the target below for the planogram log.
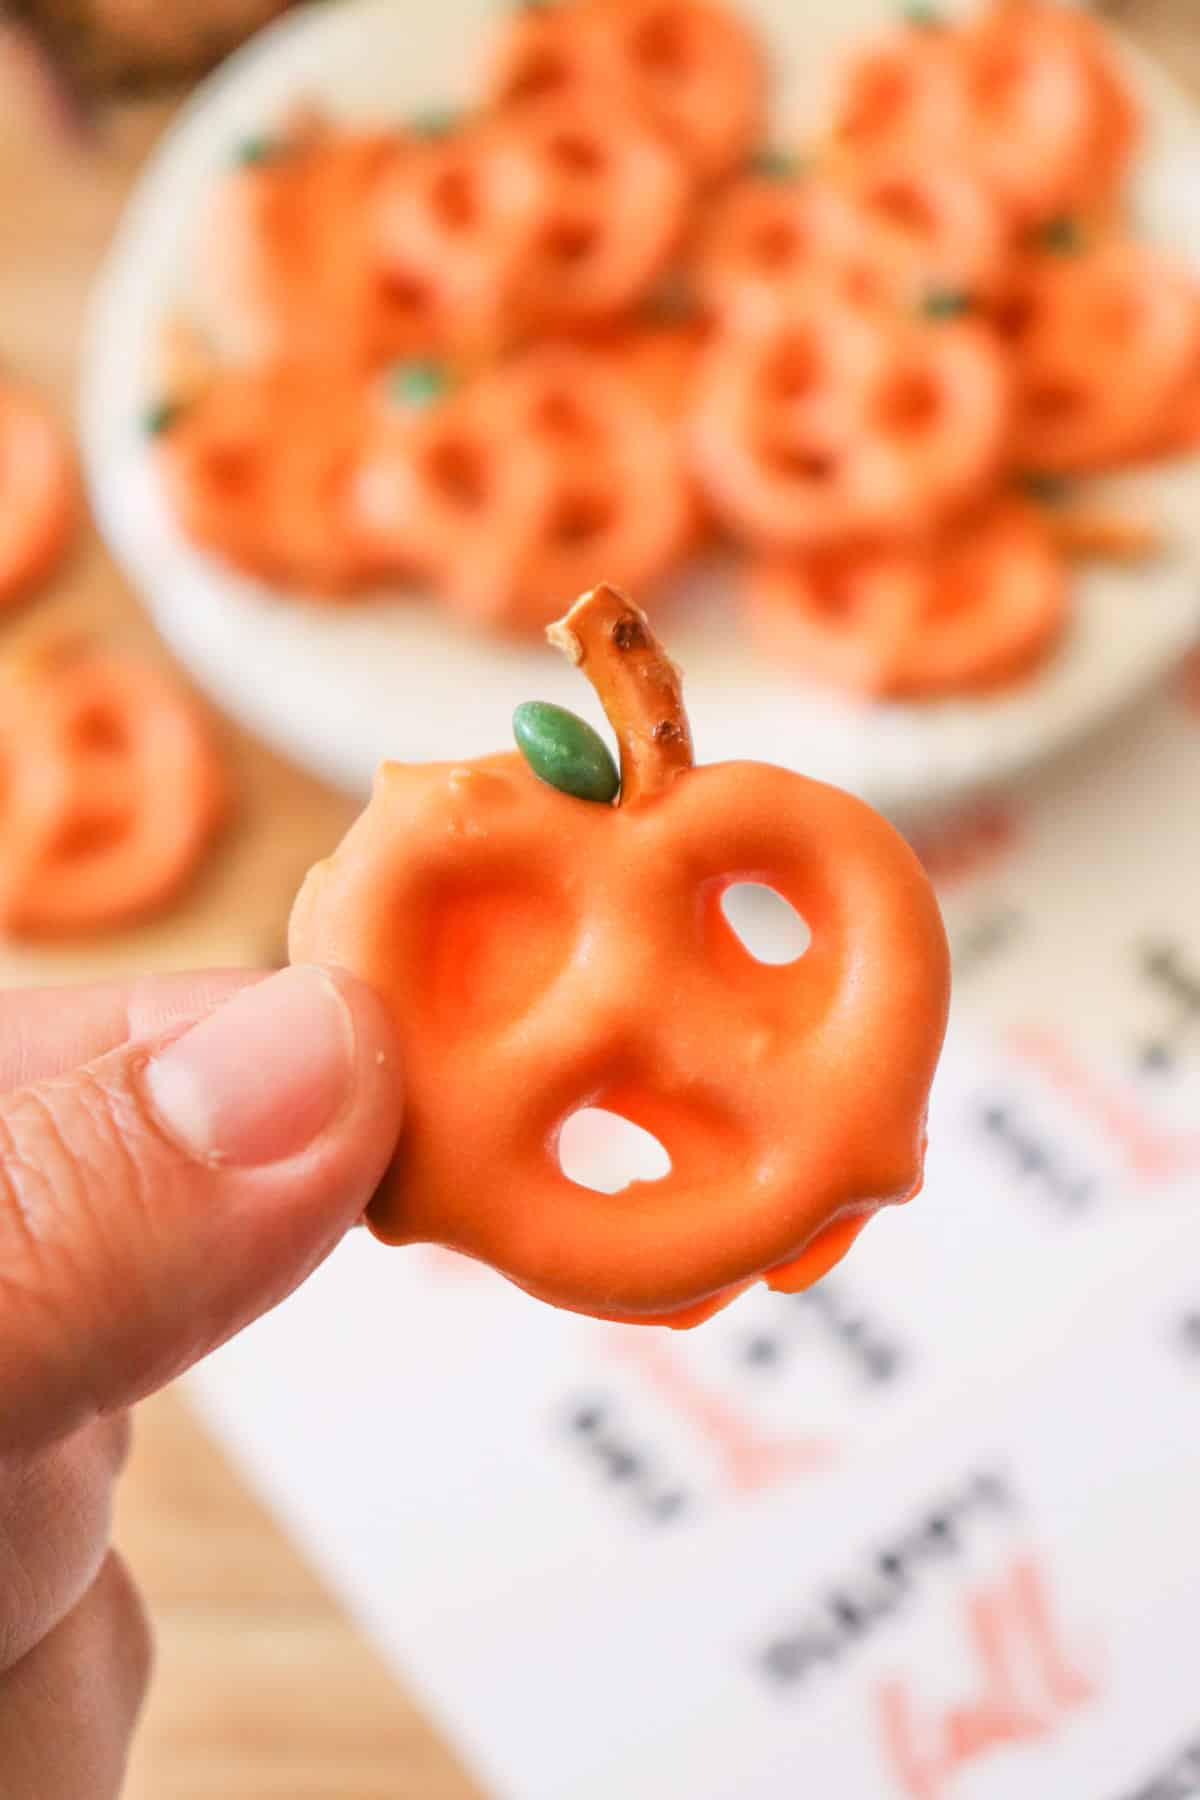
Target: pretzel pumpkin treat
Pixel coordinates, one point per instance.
(260, 469)
(974, 609)
(829, 424)
(775, 234)
(544, 951)
(110, 791)
(502, 491)
(453, 218)
(690, 68)
(38, 496)
(1104, 339)
(1053, 125)
(288, 264)
(608, 210)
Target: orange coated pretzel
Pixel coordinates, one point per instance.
(550, 464)
(38, 497)
(608, 212)
(541, 954)
(770, 238)
(1053, 126)
(938, 227)
(260, 469)
(111, 791)
(452, 222)
(900, 90)
(834, 423)
(973, 610)
(288, 264)
(1103, 343)
(689, 67)
(1027, 96)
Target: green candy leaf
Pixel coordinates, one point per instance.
(438, 122)
(254, 150)
(159, 418)
(776, 164)
(1063, 235)
(924, 17)
(946, 303)
(416, 385)
(565, 752)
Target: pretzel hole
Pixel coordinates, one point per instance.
(90, 835)
(404, 293)
(467, 960)
(778, 244)
(100, 731)
(542, 72)
(602, 1151)
(580, 518)
(577, 154)
(999, 77)
(1057, 400)
(231, 470)
(766, 925)
(909, 403)
(903, 206)
(805, 463)
(1014, 316)
(661, 45)
(455, 199)
(570, 241)
(458, 469)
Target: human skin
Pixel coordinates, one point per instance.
(176, 1155)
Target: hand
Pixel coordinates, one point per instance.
(175, 1158)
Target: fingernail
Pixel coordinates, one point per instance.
(262, 1077)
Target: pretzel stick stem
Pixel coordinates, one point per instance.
(639, 687)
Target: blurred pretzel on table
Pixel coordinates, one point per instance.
(263, 1690)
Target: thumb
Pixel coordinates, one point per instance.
(158, 1199)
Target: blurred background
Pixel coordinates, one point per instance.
(265, 1689)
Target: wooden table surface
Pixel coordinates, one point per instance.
(263, 1690)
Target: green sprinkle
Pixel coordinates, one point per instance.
(1048, 490)
(776, 165)
(416, 385)
(438, 122)
(565, 752)
(159, 418)
(254, 150)
(1063, 235)
(923, 17)
(947, 303)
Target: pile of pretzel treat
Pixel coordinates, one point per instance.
(111, 786)
(608, 320)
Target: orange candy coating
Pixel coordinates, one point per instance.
(515, 487)
(541, 954)
(830, 424)
(260, 468)
(1104, 341)
(110, 791)
(38, 491)
(690, 68)
(973, 610)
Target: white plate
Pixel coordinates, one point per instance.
(339, 689)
